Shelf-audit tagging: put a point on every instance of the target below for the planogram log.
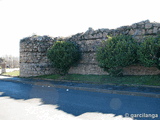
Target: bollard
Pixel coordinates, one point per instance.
(3, 68)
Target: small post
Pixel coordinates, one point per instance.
(3, 65)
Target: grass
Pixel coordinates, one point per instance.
(153, 80)
(14, 73)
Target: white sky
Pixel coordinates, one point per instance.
(22, 18)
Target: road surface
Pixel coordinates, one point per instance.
(19, 101)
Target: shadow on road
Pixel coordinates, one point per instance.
(77, 102)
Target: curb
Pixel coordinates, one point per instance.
(47, 84)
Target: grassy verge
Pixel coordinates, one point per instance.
(153, 80)
(14, 73)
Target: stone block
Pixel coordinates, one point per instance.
(131, 32)
(37, 69)
(155, 30)
(134, 26)
(87, 69)
(89, 45)
(149, 32)
(148, 25)
(156, 24)
(140, 70)
(88, 58)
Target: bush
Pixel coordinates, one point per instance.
(117, 52)
(63, 55)
(149, 51)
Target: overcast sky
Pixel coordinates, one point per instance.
(22, 18)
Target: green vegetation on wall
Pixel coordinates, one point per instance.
(63, 55)
(149, 51)
(122, 50)
(117, 52)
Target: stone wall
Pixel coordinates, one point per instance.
(34, 62)
(33, 59)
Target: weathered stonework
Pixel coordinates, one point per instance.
(34, 62)
(33, 59)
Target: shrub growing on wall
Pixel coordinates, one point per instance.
(149, 51)
(63, 55)
(117, 52)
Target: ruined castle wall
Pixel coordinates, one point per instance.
(33, 59)
(34, 62)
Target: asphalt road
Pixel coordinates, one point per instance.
(34, 102)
